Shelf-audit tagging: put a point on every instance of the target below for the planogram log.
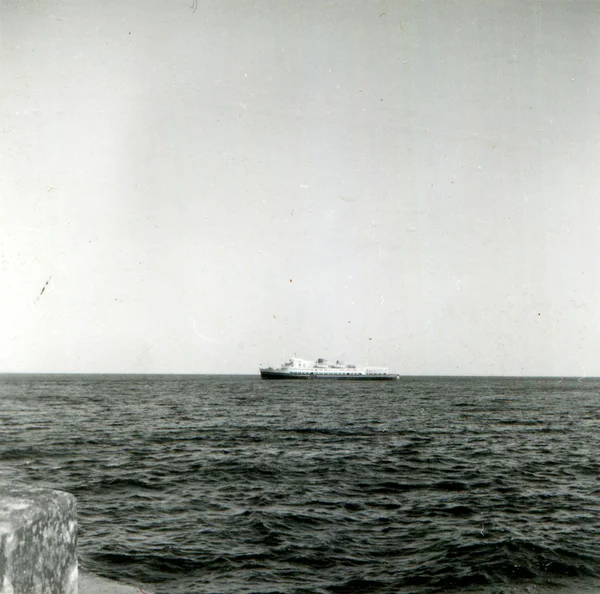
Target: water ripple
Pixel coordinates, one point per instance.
(230, 484)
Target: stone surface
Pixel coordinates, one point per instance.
(38, 540)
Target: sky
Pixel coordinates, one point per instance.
(203, 186)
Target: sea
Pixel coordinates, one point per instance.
(195, 483)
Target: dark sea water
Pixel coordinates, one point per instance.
(233, 484)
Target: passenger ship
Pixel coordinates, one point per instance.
(299, 369)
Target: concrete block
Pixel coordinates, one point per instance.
(38, 540)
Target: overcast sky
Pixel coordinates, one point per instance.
(202, 186)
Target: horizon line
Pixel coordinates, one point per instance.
(418, 375)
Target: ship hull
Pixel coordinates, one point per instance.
(278, 375)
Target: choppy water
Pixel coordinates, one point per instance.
(233, 484)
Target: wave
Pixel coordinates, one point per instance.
(232, 485)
